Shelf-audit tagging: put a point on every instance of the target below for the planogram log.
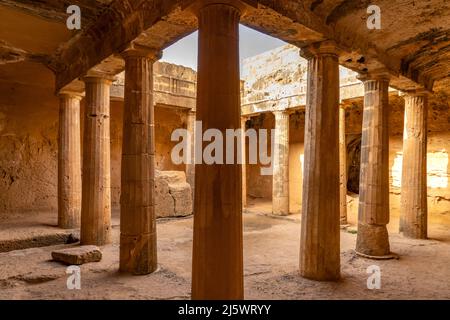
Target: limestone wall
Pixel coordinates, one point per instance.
(259, 186)
(277, 77)
(28, 149)
(29, 130)
(166, 119)
(276, 80)
(438, 168)
(29, 125)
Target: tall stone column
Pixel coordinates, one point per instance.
(373, 213)
(190, 166)
(69, 161)
(414, 211)
(244, 161)
(217, 271)
(96, 194)
(280, 178)
(137, 199)
(342, 168)
(320, 231)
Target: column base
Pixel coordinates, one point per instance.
(280, 207)
(316, 277)
(145, 262)
(372, 240)
(409, 230)
(413, 236)
(69, 225)
(385, 257)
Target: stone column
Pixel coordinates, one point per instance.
(190, 166)
(280, 178)
(413, 212)
(96, 194)
(217, 271)
(137, 199)
(244, 161)
(69, 161)
(373, 213)
(320, 231)
(342, 168)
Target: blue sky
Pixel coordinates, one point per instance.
(252, 42)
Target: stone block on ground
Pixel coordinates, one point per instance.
(173, 177)
(77, 255)
(173, 195)
(182, 196)
(164, 202)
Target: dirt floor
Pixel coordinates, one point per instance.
(271, 253)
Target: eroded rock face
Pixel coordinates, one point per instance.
(173, 195)
(28, 153)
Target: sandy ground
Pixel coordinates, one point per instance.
(271, 253)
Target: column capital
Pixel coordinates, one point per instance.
(71, 94)
(323, 48)
(417, 92)
(240, 5)
(381, 74)
(281, 113)
(140, 51)
(96, 76)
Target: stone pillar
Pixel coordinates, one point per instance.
(96, 194)
(413, 212)
(373, 213)
(244, 161)
(320, 231)
(342, 168)
(190, 166)
(69, 161)
(137, 199)
(217, 271)
(280, 178)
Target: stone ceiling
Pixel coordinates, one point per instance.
(413, 43)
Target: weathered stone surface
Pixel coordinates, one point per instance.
(69, 162)
(373, 210)
(244, 161)
(96, 182)
(138, 252)
(173, 85)
(342, 168)
(11, 242)
(181, 194)
(276, 80)
(173, 195)
(190, 166)
(280, 183)
(402, 53)
(320, 233)
(77, 255)
(164, 202)
(277, 75)
(414, 210)
(217, 250)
